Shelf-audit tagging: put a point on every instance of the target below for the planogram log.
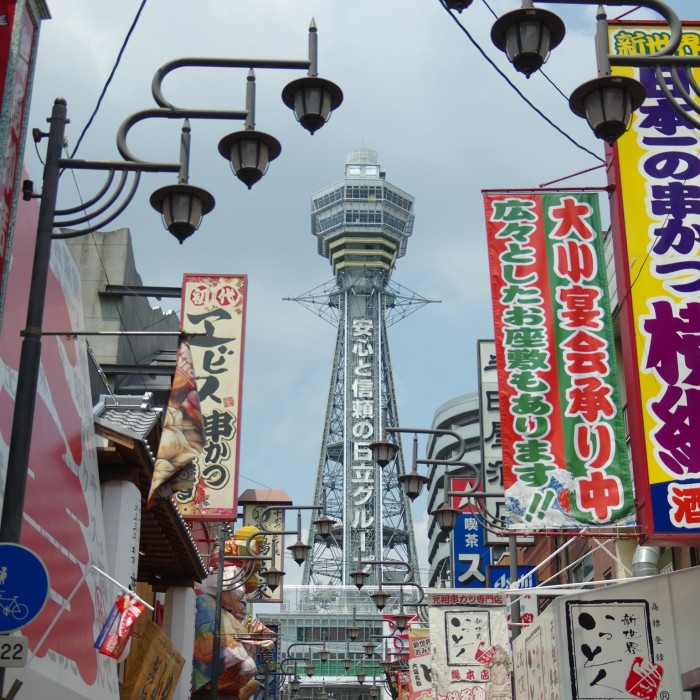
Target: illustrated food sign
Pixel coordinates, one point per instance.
(564, 452)
(657, 231)
(470, 648)
(213, 310)
(625, 641)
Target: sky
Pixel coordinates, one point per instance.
(417, 90)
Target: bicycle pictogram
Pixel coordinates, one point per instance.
(9, 606)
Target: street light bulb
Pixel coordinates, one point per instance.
(383, 451)
(607, 104)
(300, 551)
(380, 599)
(250, 153)
(359, 578)
(312, 99)
(182, 207)
(324, 526)
(446, 517)
(527, 36)
(273, 578)
(412, 484)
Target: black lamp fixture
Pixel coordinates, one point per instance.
(361, 677)
(273, 577)
(527, 36)
(373, 691)
(400, 620)
(312, 99)
(309, 669)
(457, 5)
(386, 665)
(294, 685)
(324, 654)
(383, 451)
(446, 517)
(380, 598)
(324, 526)
(299, 551)
(369, 647)
(250, 153)
(182, 207)
(607, 103)
(359, 578)
(412, 483)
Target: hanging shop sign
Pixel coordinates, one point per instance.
(213, 308)
(564, 452)
(470, 554)
(656, 228)
(471, 655)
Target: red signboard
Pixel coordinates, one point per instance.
(62, 511)
(564, 452)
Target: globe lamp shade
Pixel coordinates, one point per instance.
(182, 207)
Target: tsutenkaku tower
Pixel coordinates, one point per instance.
(362, 225)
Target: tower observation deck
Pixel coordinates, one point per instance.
(362, 225)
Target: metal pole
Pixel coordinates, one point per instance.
(216, 642)
(30, 357)
(515, 600)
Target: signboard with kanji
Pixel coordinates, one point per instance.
(655, 224)
(213, 310)
(564, 452)
(625, 641)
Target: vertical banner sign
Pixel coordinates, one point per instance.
(470, 555)
(657, 237)
(419, 660)
(274, 522)
(470, 649)
(564, 452)
(363, 397)
(214, 306)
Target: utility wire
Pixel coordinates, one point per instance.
(516, 89)
(109, 79)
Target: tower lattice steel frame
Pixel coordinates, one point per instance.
(362, 225)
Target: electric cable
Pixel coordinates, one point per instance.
(515, 87)
(109, 79)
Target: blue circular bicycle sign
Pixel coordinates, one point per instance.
(24, 586)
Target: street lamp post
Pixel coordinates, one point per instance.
(412, 483)
(527, 36)
(182, 206)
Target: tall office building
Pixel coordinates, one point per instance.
(362, 225)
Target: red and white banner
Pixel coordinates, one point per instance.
(213, 314)
(564, 451)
